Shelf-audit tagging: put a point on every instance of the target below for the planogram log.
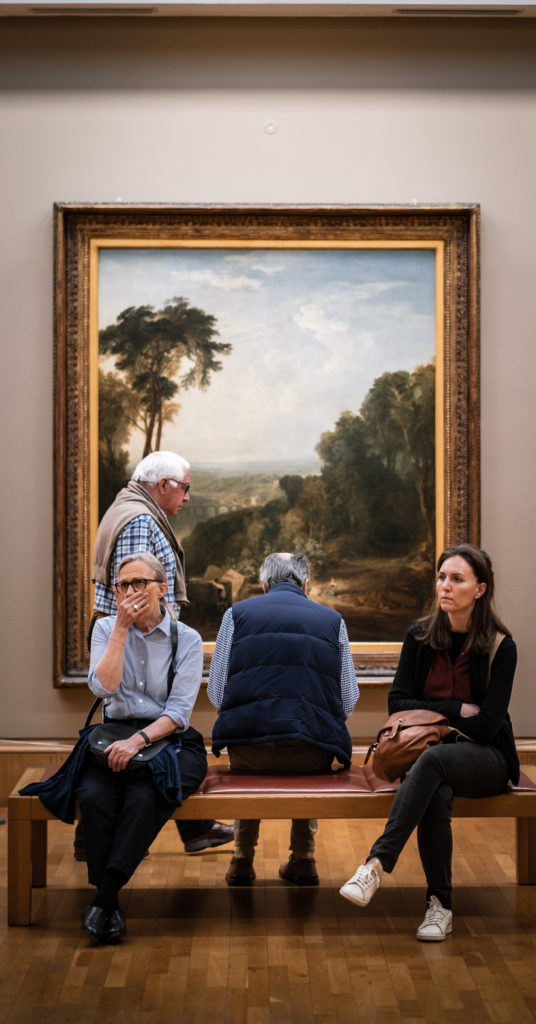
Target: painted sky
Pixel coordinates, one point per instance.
(310, 330)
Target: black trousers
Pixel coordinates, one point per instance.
(123, 812)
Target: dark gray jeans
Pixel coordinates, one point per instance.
(424, 801)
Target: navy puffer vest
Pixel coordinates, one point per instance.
(284, 675)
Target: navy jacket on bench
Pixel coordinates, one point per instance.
(284, 675)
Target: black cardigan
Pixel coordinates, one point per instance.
(492, 725)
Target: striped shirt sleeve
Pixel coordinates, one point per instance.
(349, 687)
(219, 666)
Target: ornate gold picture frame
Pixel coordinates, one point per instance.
(447, 236)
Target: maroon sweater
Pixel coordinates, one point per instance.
(448, 675)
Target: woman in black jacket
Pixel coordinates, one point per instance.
(444, 666)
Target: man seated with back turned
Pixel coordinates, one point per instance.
(283, 681)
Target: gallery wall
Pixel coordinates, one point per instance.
(175, 111)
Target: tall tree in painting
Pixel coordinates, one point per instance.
(378, 466)
(159, 354)
(399, 416)
(117, 416)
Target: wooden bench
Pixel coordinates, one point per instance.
(352, 794)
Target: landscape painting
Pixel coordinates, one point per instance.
(318, 366)
(300, 385)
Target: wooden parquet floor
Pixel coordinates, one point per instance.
(200, 953)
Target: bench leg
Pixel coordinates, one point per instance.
(39, 853)
(19, 871)
(526, 851)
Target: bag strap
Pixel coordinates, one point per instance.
(174, 633)
(499, 637)
(92, 711)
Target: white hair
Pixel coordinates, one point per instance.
(157, 465)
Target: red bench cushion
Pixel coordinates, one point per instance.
(357, 779)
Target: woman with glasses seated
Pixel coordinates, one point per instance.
(131, 658)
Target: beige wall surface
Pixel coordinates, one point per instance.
(173, 111)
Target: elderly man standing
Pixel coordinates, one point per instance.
(283, 681)
(138, 521)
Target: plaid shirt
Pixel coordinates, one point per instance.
(141, 534)
(219, 666)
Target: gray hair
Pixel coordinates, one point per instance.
(157, 465)
(152, 561)
(283, 567)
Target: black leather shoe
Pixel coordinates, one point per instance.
(116, 925)
(218, 835)
(94, 922)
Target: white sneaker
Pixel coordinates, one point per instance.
(437, 922)
(361, 887)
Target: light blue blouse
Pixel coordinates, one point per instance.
(142, 691)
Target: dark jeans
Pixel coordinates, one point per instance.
(123, 812)
(424, 801)
(291, 757)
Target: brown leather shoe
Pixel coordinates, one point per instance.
(240, 872)
(299, 871)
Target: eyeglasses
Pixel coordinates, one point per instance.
(178, 483)
(137, 585)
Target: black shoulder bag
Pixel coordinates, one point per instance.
(102, 735)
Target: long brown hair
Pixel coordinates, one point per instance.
(484, 624)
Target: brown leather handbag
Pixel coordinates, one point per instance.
(404, 736)
(401, 740)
